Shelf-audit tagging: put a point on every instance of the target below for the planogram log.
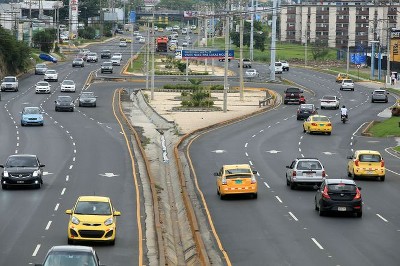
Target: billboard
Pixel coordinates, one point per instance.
(206, 53)
(73, 19)
(190, 14)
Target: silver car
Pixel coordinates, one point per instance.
(305, 171)
(87, 98)
(379, 96)
(40, 69)
(347, 84)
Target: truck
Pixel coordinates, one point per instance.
(162, 44)
(293, 95)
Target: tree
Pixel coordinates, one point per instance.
(44, 39)
(87, 33)
(259, 36)
(181, 5)
(319, 49)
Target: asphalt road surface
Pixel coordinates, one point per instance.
(281, 227)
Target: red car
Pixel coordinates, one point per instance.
(82, 55)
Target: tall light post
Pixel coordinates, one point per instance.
(226, 85)
(273, 40)
(373, 59)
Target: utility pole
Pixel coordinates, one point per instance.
(373, 59)
(241, 52)
(30, 24)
(151, 45)
(388, 55)
(273, 41)
(348, 57)
(147, 54)
(213, 37)
(226, 85)
(205, 36)
(252, 31)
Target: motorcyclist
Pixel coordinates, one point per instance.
(343, 112)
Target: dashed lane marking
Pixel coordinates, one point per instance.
(294, 217)
(380, 216)
(316, 243)
(35, 252)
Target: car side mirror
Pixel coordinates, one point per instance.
(349, 157)
(68, 211)
(1, 166)
(117, 213)
(42, 165)
(287, 166)
(359, 188)
(255, 172)
(316, 187)
(216, 174)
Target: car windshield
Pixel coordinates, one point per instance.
(64, 99)
(379, 92)
(369, 158)
(278, 64)
(19, 161)
(306, 107)
(87, 95)
(320, 119)
(31, 111)
(41, 66)
(106, 51)
(93, 208)
(107, 64)
(309, 165)
(42, 83)
(342, 188)
(9, 79)
(292, 90)
(69, 258)
(92, 54)
(51, 72)
(68, 82)
(332, 98)
(347, 81)
(238, 171)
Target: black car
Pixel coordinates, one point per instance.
(64, 103)
(305, 110)
(105, 54)
(22, 169)
(338, 195)
(71, 255)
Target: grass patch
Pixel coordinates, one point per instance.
(137, 65)
(397, 148)
(389, 127)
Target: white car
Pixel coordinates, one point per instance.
(347, 84)
(92, 57)
(42, 87)
(116, 60)
(51, 75)
(330, 101)
(278, 68)
(119, 55)
(142, 40)
(251, 73)
(168, 28)
(68, 86)
(176, 27)
(135, 33)
(123, 44)
(185, 44)
(285, 65)
(193, 27)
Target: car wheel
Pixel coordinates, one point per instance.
(352, 89)
(217, 192)
(321, 212)
(348, 173)
(382, 178)
(341, 89)
(359, 214)
(304, 129)
(355, 176)
(4, 186)
(22, 124)
(38, 186)
(285, 102)
(56, 109)
(298, 118)
(70, 241)
(94, 105)
(372, 101)
(315, 203)
(329, 133)
(112, 242)
(292, 185)
(222, 197)
(254, 195)
(41, 124)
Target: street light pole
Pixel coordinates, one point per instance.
(226, 85)
(241, 52)
(273, 40)
(388, 56)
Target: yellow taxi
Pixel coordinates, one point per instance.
(122, 39)
(342, 76)
(366, 163)
(236, 179)
(317, 124)
(160, 29)
(93, 218)
(129, 40)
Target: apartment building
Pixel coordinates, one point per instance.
(339, 23)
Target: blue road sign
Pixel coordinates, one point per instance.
(359, 58)
(206, 53)
(132, 16)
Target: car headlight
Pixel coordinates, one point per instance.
(71, 104)
(75, 220)
(5, 174)
(109, 221)
(35, 173)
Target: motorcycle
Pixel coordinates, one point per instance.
(344, 118)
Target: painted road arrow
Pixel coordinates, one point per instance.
(273, 151)
(219, 151)
(108, 174)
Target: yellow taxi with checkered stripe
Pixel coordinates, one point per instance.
(366, 163)
(317, 124)
(236, 179)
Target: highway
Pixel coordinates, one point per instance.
(84, 152)
(281, 227)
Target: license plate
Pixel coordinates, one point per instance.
(341, 209)
(20, 182)
(238, 181)
(310, 174)
(321, 125)
(370, 172)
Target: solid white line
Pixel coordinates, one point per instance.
(246, 154)
(294, 217)
(316, 243)
(380, 216)
(392, 171)
(63, 191)
(265, 183)
(354, 133)
(48, 225)
(278, 199)
(394, 155)
(245, 145)
(56, 207)
(36, 250)
(250, 162)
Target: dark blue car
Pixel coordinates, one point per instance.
(47, 57)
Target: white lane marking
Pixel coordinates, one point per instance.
(253, 136)
(67, 178)
(258, 174)
(265, 183)
(394, 155)
(250, 162)
(73, 159)
(73, 143)
(351, 143)
(392, 171)
(56, 207)
(286, 118)
(16, 151)
(279, 199)
(91, 118)
(70, 167)
(67, 132)
(247, 154)
(301, 137)
(74, 151)
(299, 143)
(63, 191)
(278, 122)
(245, 145)
(269, 126)
(299, 149)
(354, 133)
(17, 138)
(61, 126)
(261, 130)
(352, 137)
(294, 217)
(316, 243)
(380, 216)
(302, 155)
(48, 225)
(35, 252)
(17, 144)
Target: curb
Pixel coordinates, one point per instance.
(366, 129)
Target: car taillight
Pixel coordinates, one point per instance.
(323, 173)
(358, 194)
(325, 193)
(253, 180)
(294, 173)
(314, 124)
(298, 111)
(382, 163)
(223, 181)
(356, 162)
(329, 125)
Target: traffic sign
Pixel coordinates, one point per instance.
(206, 53)
(358, 66)
(132, 16)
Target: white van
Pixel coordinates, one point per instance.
(278, 68)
